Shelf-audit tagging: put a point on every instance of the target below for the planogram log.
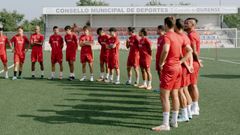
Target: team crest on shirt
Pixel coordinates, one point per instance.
(69, 40)
(56, 39)
(20, 42)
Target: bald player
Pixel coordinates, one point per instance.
(36, 41)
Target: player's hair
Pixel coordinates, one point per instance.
(20, 27)
(169, 21)
(68, 28)
(55, 27)
(194, 19)
(161, 27)
(131, 29)
(143, 31)
(180, 24)
(112, 29)
(99, 30)
(88, 23)
(86, 27)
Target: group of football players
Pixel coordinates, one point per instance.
(177, 61)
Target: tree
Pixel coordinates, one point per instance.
(181, 3)
(10, 20)
(91, 3)
(155, 3)
(232, 21)
(29, 25)
(158, 3)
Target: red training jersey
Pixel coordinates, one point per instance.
(36, 38)
(103, 41)
(3, 42)
(19, 43)
(133, 44)
(160, 44)
(145, 48)
(195, 39)
(71, 42)
(175, 42)
(86, 49)
(185, 42)
(114, 52)
(56, 43)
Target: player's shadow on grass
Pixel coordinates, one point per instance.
(102, 104)
(221, 76)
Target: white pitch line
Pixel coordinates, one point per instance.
(8, 68)
(221, 60)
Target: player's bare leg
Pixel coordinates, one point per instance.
(110, 79)
(164, 97)
(42, 69)
(189, 102)
(175, 107)
(144, 76)
(129, 73)
(101, 78)
(33, 69)
(117, 70)
(53, 71)
(183, 104)
(149, 78)
(136, 69)
(71, 67)
(107, 71)
(20, 71)
(61, 71)
(16, 67)
(84, 77)
(195, 97)
(91, 71)
(5, 68)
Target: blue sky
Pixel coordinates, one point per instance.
(34, 7)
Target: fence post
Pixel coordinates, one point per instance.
(236, 38)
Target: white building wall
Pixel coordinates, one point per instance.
(204, 20)
(63, 20)
(112, 20)
(149, 20)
